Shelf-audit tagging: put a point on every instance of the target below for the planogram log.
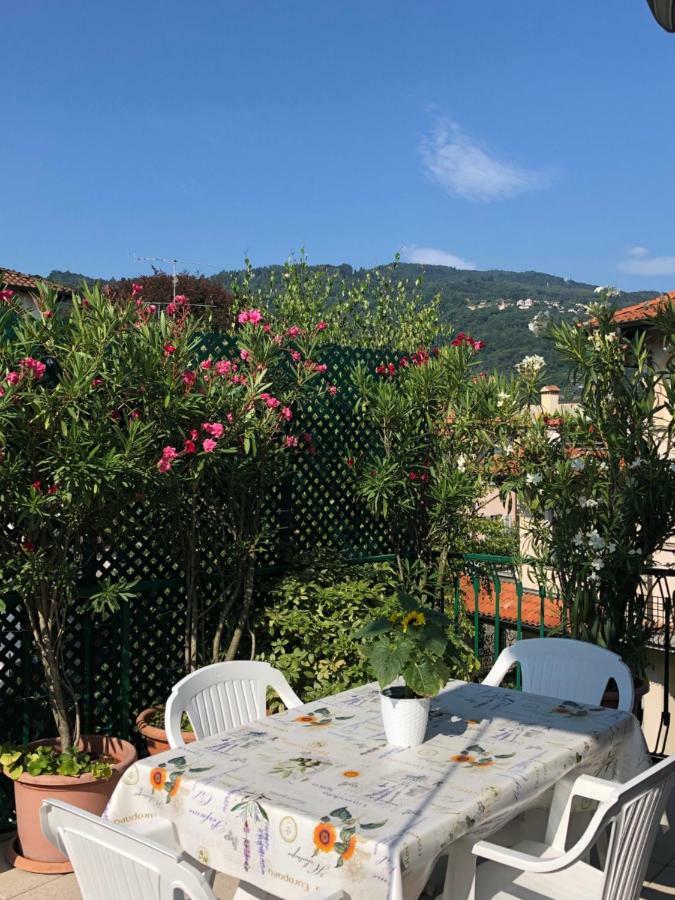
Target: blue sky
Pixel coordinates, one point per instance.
(514, 134)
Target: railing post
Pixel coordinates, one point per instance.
(475, 580)
(542, 614)
(498, 590)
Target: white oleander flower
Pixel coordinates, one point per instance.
(578, 464)
(461, 462)
(588, 502)
(534, 478)
(595, 540)
(637, 463)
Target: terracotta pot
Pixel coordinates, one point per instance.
(610, 699)
(83, 791)
(155, 737)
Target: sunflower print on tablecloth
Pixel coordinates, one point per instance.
(337, 833)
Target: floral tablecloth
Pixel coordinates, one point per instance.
(314, 798)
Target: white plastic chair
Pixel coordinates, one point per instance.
(116, 863)
(565, 669)
(548, 871)
(224, 696)
(111, 862)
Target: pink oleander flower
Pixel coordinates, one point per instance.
(152, 308)
(47, 314)
(194, 434)
(278, 339)
(255, 316)
(169, 453)
(332, 389)
(13, 378)
(293, 331)
(189, 446)
(307, 437)
(37, 485)
(321, 368)
(136, 289)
(164, 465)
(169, 349)
(53, 489)
(96, 382)
(188, 378)
(242, 318)
(287, 413)
(270, 401)
(245, 355)
(296, 356)
(209, 445)
(215, 429)
(2, 394)
(28, 546)
(321, 326)
(230, 417)
(291, 441)
(267, 328)
(6, 295)
(135, 414)
(37, 368)
(223, 366)
(205, 365)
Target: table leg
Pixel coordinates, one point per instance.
(460, 873)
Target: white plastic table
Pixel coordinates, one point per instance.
(314, 798)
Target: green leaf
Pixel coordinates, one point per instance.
(388, 661)
(375, 627)
(341, 813)
(368, 826)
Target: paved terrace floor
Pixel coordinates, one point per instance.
(659, 885)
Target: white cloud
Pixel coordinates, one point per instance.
(431, 256)
(640, 262)
(464, 168)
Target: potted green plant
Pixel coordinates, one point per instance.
(76, 429)
(407, 653)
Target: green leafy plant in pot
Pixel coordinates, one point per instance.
(407, 653)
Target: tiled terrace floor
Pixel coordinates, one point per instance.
(660, 883)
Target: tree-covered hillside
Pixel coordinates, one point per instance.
(495, 305)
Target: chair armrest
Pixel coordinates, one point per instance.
(598, 789)
(516, 859)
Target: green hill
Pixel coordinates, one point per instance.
(483, 303)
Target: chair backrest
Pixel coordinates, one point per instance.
(111, 862)
(636, 809)
(224, 696)
(565, 669)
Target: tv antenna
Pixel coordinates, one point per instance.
(173, 262)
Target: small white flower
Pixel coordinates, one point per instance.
(595, 540)
(502, 396)
(637, 463)
(597, 564)
(578, 539)
(611, 547)
(599, 289)
(530, 365)
(461, 462)
(578, 464)
(588, 502)
(534, 478)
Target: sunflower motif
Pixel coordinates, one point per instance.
(463, 758)
(351, 848)
(324, 837)
(158, 778)
(350, 773)
(306, 719)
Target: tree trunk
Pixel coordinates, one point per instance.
(63, 711)
(247, 601)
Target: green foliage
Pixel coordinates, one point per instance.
(307, 624)
(600, 487)
(310, 618)
(435, 426)
(46, 760)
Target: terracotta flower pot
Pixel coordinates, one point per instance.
(83, 791)
(610, 699)
(155, 737)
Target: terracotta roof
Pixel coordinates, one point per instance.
(19, 281)
(550, 389)
(640, 312)
(530, 608)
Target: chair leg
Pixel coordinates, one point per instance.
(460, 873)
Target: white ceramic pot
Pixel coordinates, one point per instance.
(404, 718)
